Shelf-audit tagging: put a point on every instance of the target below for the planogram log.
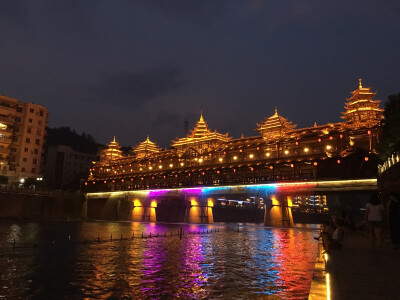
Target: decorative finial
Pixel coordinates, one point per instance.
(201, 115)
(359, 83)
(315, 124)
(148, 138)
(114, 139)
(276, 111)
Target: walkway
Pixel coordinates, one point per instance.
(359, 272)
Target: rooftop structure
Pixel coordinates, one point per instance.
(361, 109)
(113, 152)
(275, 126)
(146, 148)
(200, 139)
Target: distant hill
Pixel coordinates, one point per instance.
(79, 142)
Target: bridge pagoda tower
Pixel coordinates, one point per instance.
(201, 139)
(361, 109)
(146, 149)
(113, 152)
(275, 126)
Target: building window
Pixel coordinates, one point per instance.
(28, 140)
(41, 113)
(29, 130)
(14, 138)
(23, 169)
(17, 119)
(24, 159)
(34, 161)
(13, 149)
(39, 131)
(31, 110)
(37, 142)
(26, 149)
(36, 151)
(30, 120)
(19, 109)
(39, 122)
(33, 170)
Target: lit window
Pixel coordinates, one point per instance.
(267, 154)
(251, 155)
(160, 166)
(182, 164)
(286, 152)
(306, 150)
(171, 165)
(150, 167)
(200, 160)
(328, 147)
(220, 159)
(235, 157)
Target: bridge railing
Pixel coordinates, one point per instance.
(389, 163)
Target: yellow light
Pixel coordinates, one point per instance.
(267, 154)
(328, 147)
(286, 151)
(251, 155)
(235, 157)
(182, 164)
(150, 167)
(153, 203)
(220, 159)
(328, 287)
(140, 169)
(160, 166)
(200, 160)
(196, 159)
(306, 150)
(171, 165)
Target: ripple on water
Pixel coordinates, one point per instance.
(256, 261)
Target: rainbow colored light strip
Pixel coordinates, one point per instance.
(270, 188)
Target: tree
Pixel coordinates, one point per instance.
(390, 137)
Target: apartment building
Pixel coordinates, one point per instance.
(22, 135)
(63, 165)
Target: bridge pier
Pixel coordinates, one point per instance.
(278, 212)
(199, 210)
(144, 210)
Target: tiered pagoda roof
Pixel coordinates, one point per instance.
(275, 126)
(146, 148)
(201, 133)
(361, 107)
(113, 151)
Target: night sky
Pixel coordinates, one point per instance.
(132, 68)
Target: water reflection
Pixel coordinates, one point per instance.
(254, 261)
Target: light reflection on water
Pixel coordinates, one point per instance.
(254, 262)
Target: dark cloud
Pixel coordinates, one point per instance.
(133, 89)
(13, 11)
(204, 10)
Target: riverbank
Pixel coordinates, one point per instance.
(358, 271)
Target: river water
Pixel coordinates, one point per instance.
(75, 260)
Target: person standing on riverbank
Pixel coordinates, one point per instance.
(373, 217)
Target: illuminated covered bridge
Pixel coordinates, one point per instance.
(209, 161)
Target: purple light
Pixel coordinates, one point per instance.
(194, 191)
(156, 193)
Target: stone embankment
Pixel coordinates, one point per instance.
(25, 205)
